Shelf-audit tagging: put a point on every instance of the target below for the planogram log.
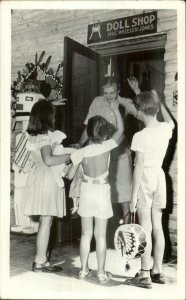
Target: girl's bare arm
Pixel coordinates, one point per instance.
(118, 135)
(53, 160)
(166, 116)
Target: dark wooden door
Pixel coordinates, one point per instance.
(81, 85)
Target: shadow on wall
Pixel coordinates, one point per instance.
(170, 193)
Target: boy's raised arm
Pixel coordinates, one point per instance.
(128, 103)
(83, 137)
(166, 116)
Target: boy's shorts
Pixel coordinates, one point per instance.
(152, 191)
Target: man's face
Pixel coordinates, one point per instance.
(110, 93)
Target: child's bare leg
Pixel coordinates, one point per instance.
(158, 239)
(75, 205)
(125, 212)
(43, 239)
(144, 216)
(86, 236)
(100, 236)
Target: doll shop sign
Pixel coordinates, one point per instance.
(122, 28)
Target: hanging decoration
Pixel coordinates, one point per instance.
(38, 78)
(35, 75)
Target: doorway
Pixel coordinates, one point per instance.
(86, 67)
(147, 67)
(84, 72)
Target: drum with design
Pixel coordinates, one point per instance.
(130, 241)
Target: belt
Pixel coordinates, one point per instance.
(96, 181)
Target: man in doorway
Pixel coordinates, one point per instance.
(121, 164)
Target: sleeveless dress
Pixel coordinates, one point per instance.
(95, 198)
(44, 191)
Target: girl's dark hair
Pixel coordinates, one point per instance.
(147, 102)
(41, 118)
(45, 89)
(98, 129)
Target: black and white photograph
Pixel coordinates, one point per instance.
(92, 150)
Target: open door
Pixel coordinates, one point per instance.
(81, 85)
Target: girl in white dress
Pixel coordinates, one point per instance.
(44, 190)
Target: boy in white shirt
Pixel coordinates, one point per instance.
(149, 186)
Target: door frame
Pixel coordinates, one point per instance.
(129, 45)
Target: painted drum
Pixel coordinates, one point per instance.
(130, 241)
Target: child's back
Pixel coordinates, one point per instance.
(153, 142)
(95, 198)
(95, 158)
(95, 166)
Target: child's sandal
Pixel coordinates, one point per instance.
(157, 277)
(46, 267)
(143, 282)
(104, 278)
(84, 275)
